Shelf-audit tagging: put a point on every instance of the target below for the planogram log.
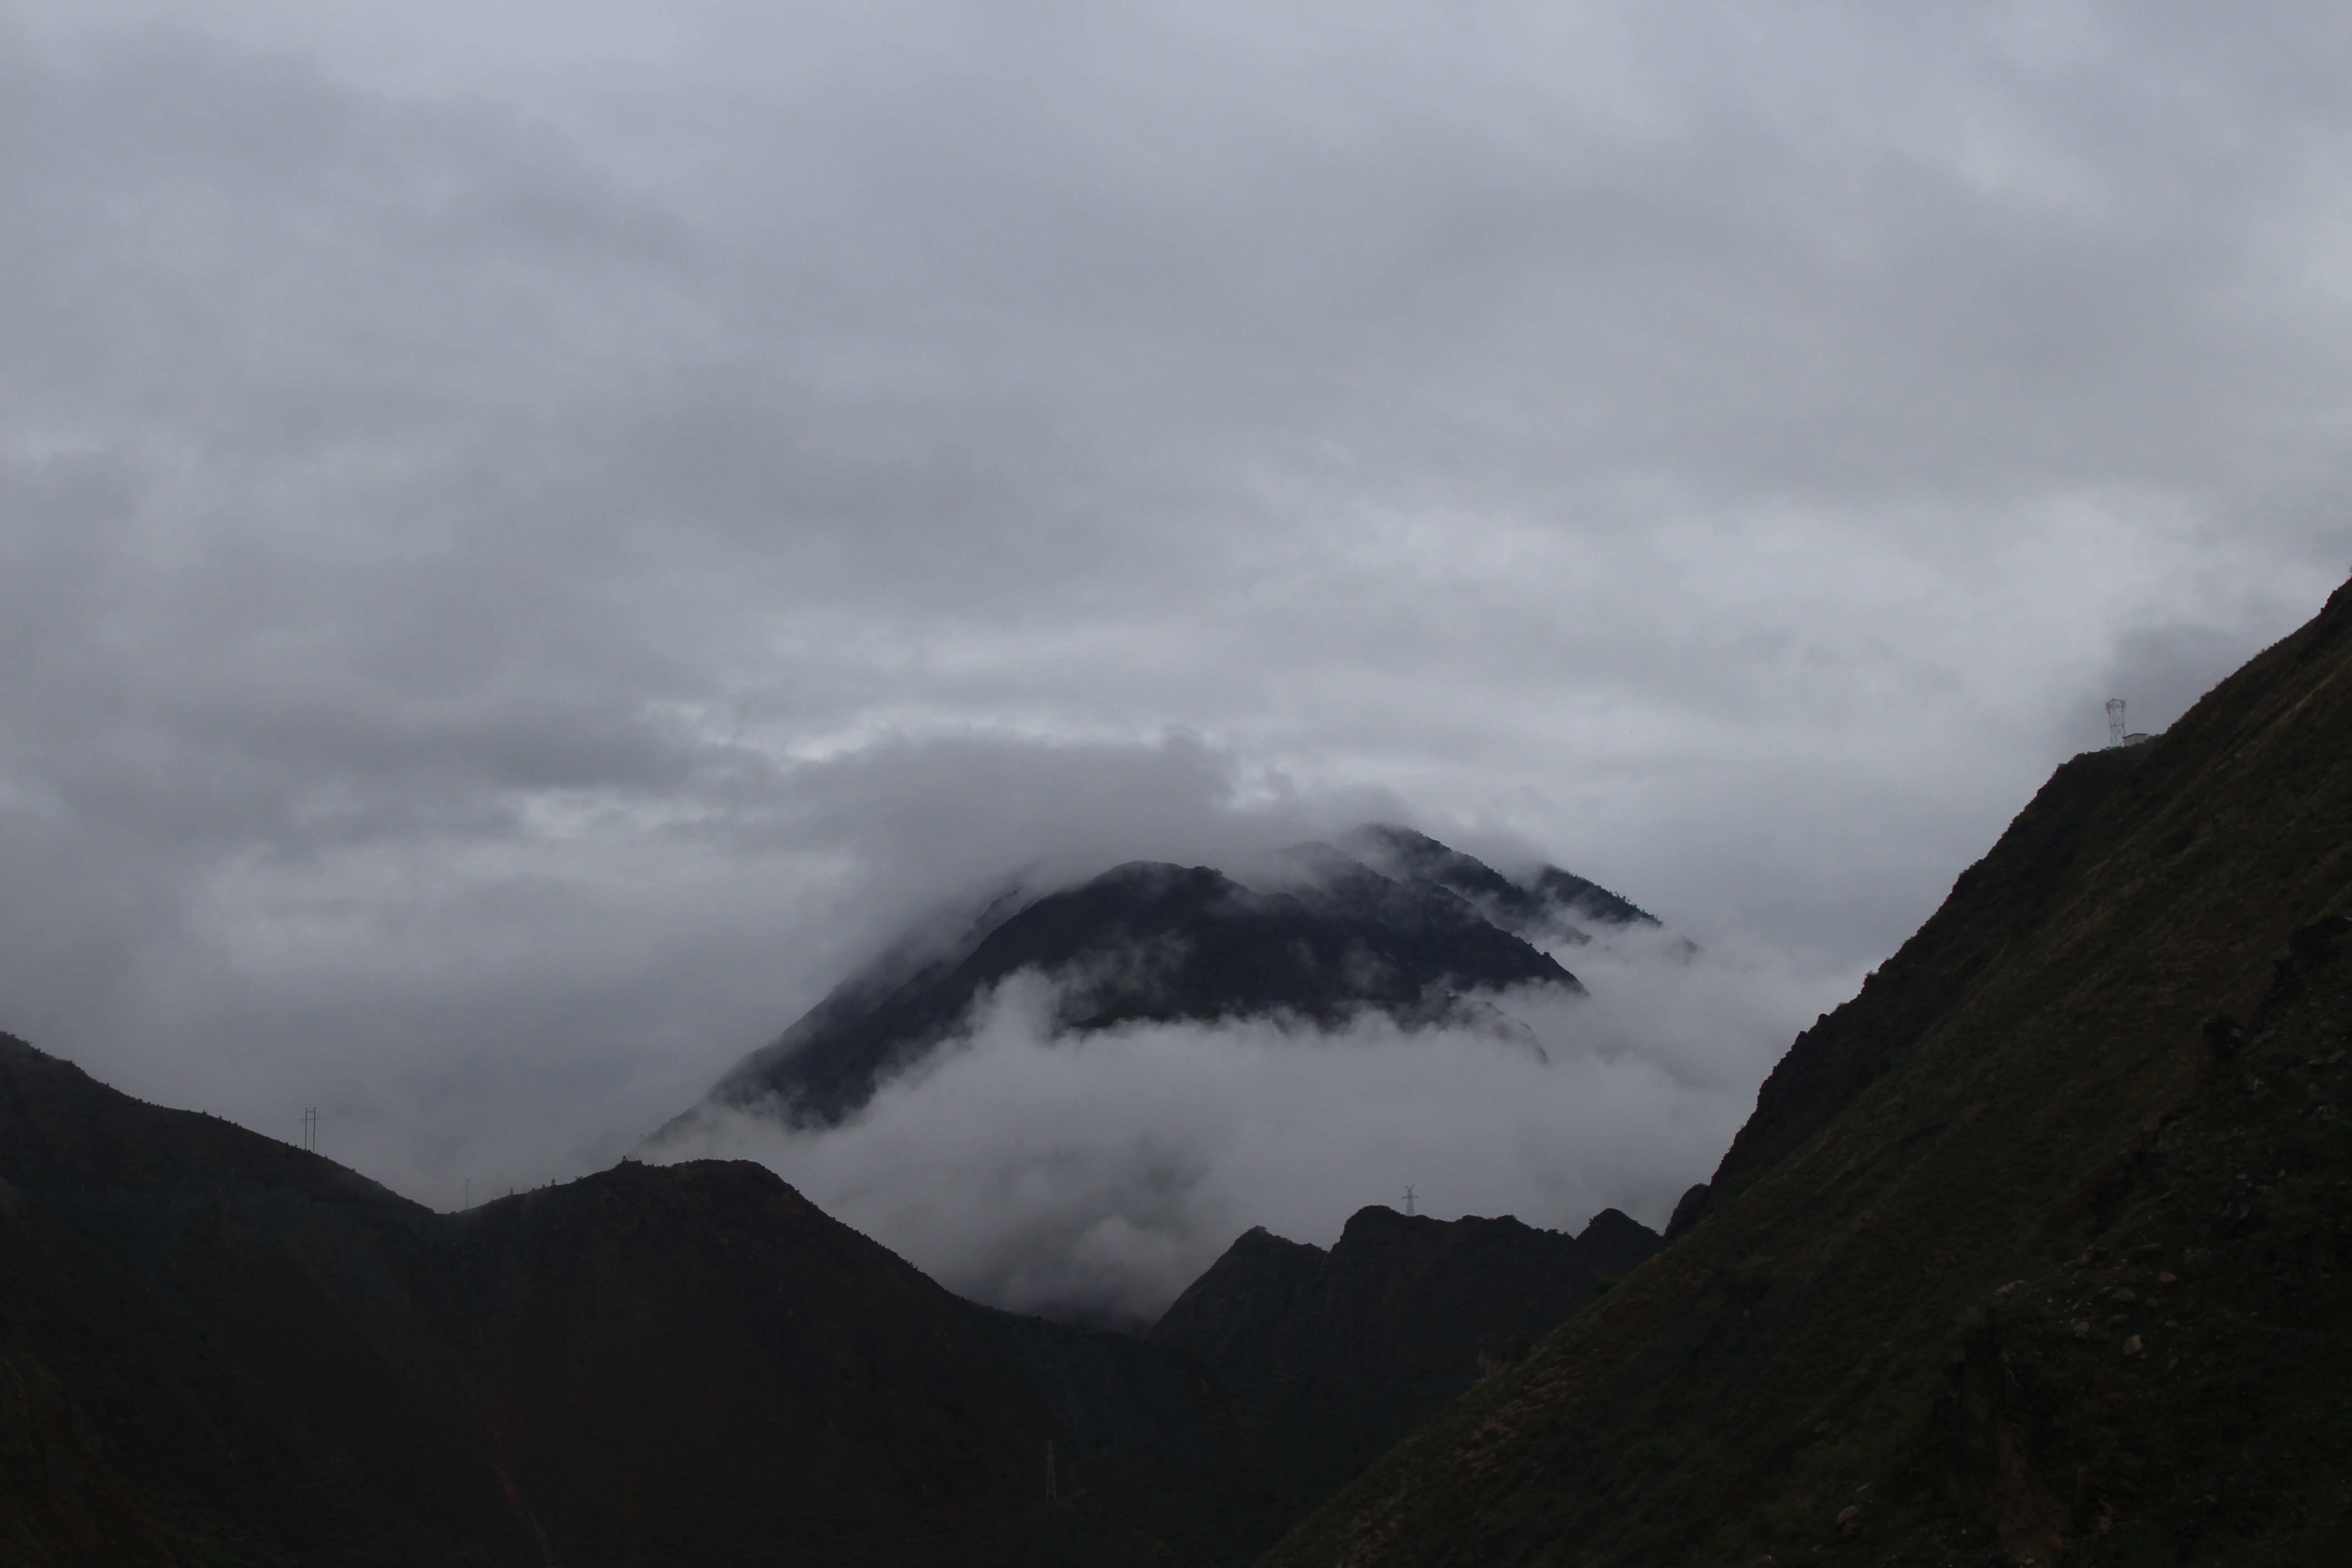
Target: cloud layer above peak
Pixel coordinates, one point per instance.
(533, 535)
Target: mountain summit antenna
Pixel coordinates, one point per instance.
(310, 1129)
(2115, 720)
(1408, 1200)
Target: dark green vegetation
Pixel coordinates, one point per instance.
(1152, 942)
(2029, 1251)
(218, 1350)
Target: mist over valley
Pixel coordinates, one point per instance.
(1074, 1103)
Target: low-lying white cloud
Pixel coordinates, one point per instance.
(1095, 1176)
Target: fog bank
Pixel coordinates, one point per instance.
(1093, 1177)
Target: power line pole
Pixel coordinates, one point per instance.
(1408, 1200)
(310, 1127)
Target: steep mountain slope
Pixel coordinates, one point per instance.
(1992, 903)
(1326, 937)
(2018, 1251)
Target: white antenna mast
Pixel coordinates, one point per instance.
(2115, 720)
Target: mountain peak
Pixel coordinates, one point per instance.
(1549, 904)
(1314, 934)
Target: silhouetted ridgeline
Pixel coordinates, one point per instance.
(216, 1349)
(1398, 1297)
(2037, 1246)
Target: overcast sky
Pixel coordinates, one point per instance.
(533, 535)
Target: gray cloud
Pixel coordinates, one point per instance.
(1096, 1177)
(532, 537)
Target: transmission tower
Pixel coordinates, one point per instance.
(310, 1129)
(1408, 1200)
(2115, 720)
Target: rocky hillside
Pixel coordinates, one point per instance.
(2037, 1249)
(1316, 934)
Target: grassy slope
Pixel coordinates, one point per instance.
(1810, 1337)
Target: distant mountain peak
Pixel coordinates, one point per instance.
(1395, 923)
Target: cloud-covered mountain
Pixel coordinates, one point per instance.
(1312, 934)
(1548, 904)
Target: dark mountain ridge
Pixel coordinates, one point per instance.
(1321, 940)
(1399, 1296)
(216, 1349)
(2029, 1252)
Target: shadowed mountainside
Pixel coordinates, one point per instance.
(1399, 1296)
(1345, 1351)
(2029, 1249)
(1326, 938)
(216, 1349)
